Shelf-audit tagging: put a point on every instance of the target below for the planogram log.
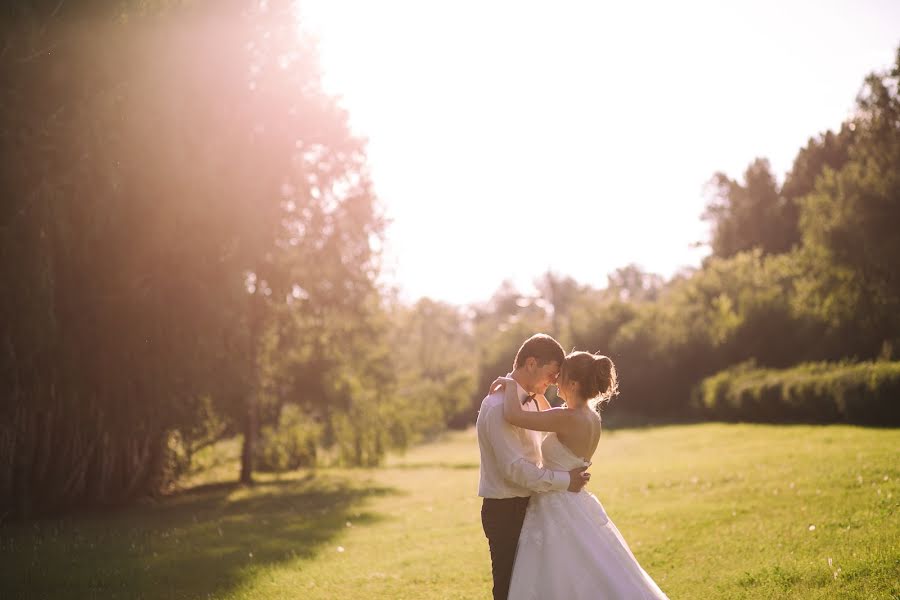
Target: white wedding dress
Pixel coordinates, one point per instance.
(570, 550)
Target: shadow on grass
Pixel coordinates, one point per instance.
(434, 465)
(203, 542)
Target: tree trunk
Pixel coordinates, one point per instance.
(251, 421)
(251, 415)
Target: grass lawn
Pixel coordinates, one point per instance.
(710, 511)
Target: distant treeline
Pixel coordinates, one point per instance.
(190, 251)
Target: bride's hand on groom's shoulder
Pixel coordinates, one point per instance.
(499, 384)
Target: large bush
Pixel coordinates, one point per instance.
(866, 393)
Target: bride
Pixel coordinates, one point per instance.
(568, 547)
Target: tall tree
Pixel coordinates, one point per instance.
(826, 151)
(850, 233)
(749, 215)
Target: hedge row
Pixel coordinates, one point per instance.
(865, 393)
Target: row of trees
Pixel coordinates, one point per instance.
(189, 237)
(190, 249)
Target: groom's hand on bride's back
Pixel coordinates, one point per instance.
(578, 479)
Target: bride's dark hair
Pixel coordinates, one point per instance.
(595, 374)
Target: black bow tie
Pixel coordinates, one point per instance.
(530, 398)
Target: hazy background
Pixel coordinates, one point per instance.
(595, 125)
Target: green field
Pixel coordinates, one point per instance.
(710, 511)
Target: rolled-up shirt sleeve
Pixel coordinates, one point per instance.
(514, 465)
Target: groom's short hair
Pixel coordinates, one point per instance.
(543, 348)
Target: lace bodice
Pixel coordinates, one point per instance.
(557, 456)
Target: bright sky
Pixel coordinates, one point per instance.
(509, 138)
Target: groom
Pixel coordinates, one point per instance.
(511, 463)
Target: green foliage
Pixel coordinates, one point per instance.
(828, 151)
(752, 214)
(838, 209)
(288, 444)
(596, 319)
(360, 430)
(729, 311)
(850, 233)
(432, 349)
(187, 223)
(500, 327)
(863, 393)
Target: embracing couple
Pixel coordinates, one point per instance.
(549, 538)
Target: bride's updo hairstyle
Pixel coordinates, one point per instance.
(595, 374)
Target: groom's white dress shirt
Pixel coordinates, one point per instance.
(511, 464)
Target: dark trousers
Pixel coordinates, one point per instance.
(502, 522)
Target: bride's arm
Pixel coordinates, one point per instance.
(555, 419)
